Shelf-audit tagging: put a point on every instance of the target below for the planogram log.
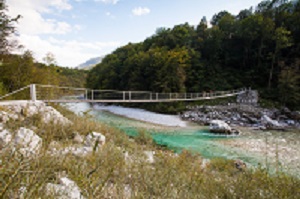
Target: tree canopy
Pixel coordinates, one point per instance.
(254, 49)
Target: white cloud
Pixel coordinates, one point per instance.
(67, 53)
(109, 14)
(108, 1)
(32, 21)
(141, 11)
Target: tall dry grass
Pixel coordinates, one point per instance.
(120, 170)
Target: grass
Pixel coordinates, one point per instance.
(108, 174)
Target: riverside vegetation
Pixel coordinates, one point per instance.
(265, 41)
(121, 168)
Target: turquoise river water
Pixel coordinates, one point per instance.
(267, 149)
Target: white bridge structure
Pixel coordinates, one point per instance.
(58, 94)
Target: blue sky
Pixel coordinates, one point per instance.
(76, 30)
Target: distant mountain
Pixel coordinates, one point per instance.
(89, 64)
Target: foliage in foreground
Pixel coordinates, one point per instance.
(108, 174)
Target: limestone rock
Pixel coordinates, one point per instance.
(270, 123)
(78, 138)
(219, 126)
(20, 109)
(67, 189)
(94, 139)
(77, 151)
(149, 156)
(4, 116)
(50, 114)
(5, 138)
(27, 142)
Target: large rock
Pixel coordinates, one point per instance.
(67, 189)
(6, 116)
(295, 115)
(50, 114)
(27, 142)
(94, 140)
(219, 126)
(77, 151)
(5, 138)
(149, 156)
(21, 109)
(269, 123)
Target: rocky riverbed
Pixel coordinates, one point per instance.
(251, 116)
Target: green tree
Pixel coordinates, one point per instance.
(282, 40)
(7, 28)
(289, 87)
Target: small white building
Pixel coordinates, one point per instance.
(248, 97)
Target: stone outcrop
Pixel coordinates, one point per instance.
(5, 138)
(19, 110)
(66, 189)
(92, 142)
(269, 123)
(219, 126)
(149, 156)
(243, 115)
(24, 141)
(27, 142)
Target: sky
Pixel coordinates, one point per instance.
(77, 30)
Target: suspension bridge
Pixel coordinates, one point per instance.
(58, 94)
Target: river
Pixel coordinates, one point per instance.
(272, 150)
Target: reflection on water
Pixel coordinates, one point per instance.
(276, 150)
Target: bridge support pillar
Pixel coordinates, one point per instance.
(33, 92)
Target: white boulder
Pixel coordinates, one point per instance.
(77, 151)
(21, 109)
(67, 189)
(50, 114)
(149, 156)
(270, 123)
(5, 138)
(94, 139)
(219, 126)
(78, 138)
(27, 142)
(6, 116)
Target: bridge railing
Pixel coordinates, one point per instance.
(20, 94)
(59, 93)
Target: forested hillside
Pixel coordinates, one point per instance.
(258, 48)
(17, 71)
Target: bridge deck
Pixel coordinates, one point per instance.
(49, 93)
(137, 101)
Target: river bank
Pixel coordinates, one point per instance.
(120, 167)
(244, 115)
(198, 139)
